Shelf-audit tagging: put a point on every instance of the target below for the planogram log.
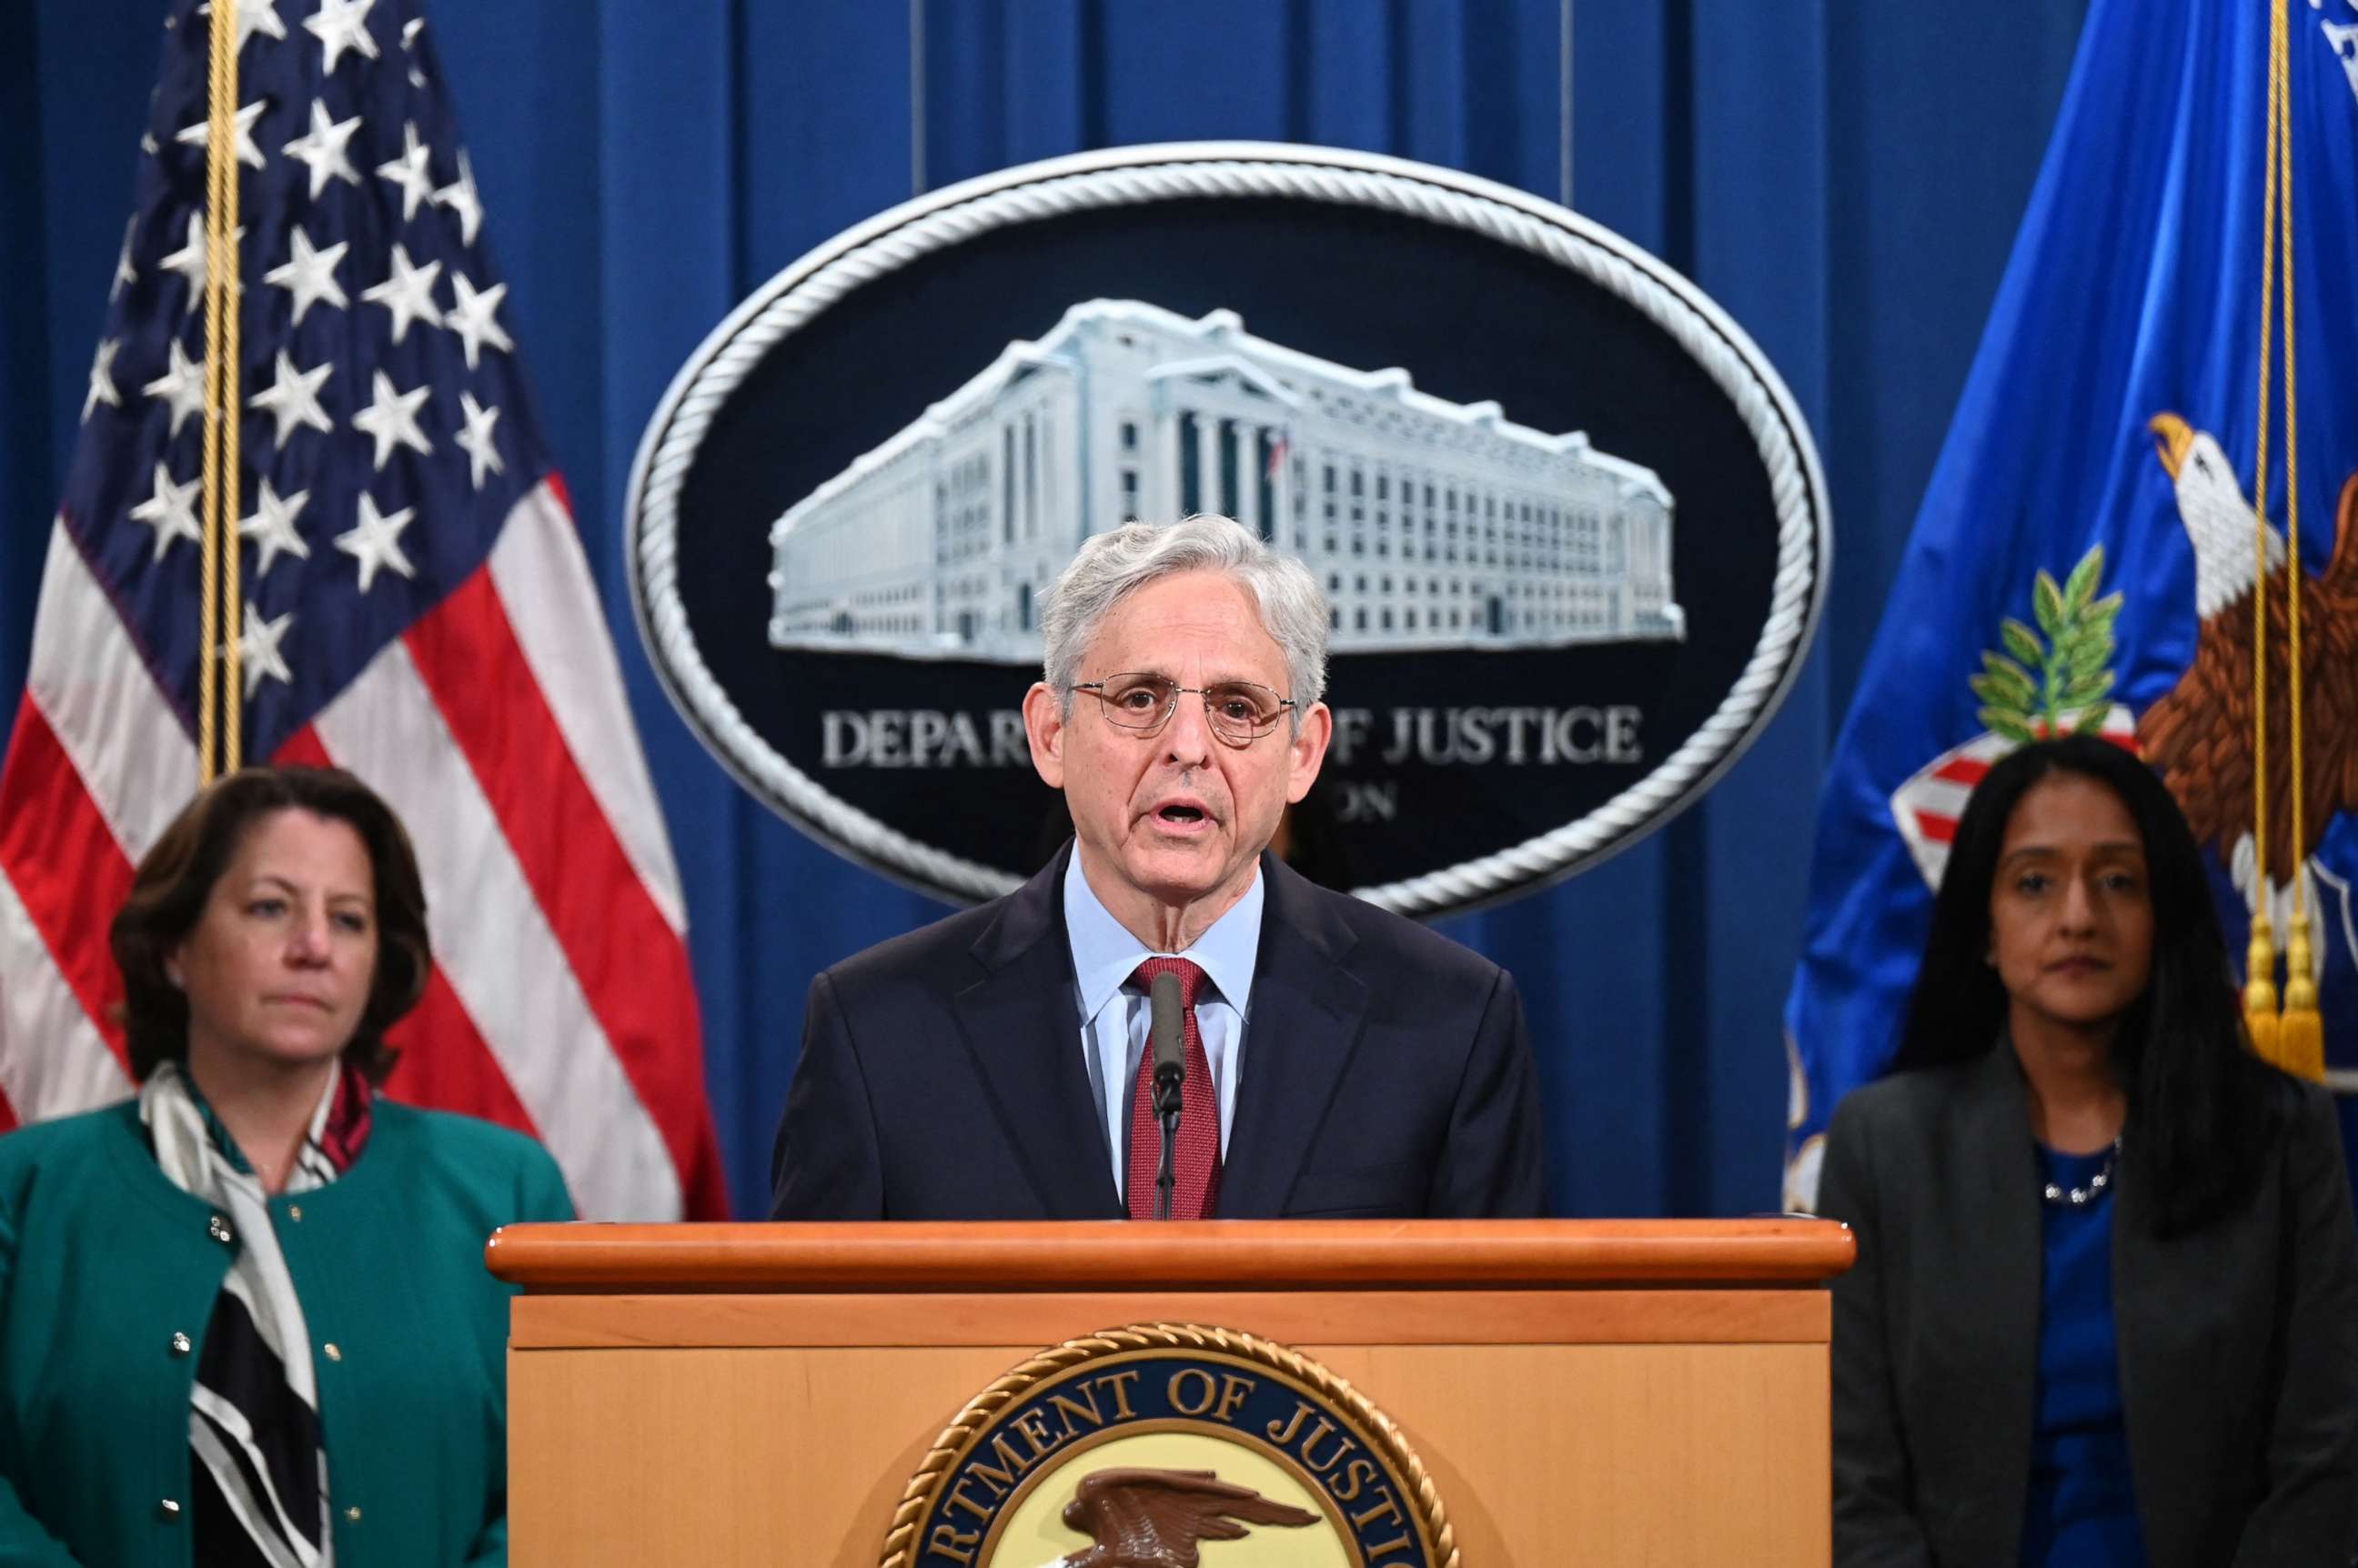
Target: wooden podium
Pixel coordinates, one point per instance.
(1578, 1392)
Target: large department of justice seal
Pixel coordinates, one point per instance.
(1132, 1447)
(1570, 525)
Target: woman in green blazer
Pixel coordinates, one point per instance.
(245, 1317)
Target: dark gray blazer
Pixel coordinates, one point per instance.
(1386, 1074)
(2238, 1344)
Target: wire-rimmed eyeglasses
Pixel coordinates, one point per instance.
(1143, 702)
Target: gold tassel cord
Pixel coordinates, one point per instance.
(2260, 957)
(220, 694)
(2300, 1032)
(232, 603)
(217, 144)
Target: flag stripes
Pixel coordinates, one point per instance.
(495, 944)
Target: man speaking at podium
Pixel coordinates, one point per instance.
(1166, 1020)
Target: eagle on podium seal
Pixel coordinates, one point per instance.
(1136, 1447)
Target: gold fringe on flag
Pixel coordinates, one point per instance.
(2260, 959)
(2294, 1039)
(2300, 1040)
(220, 690)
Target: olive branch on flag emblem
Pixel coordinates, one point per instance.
(2056, 678)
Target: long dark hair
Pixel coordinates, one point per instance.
(2200, 1105)
(169, 890)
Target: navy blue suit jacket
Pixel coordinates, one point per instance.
(1386, 1074)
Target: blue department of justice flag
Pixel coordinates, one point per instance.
(2084, 553)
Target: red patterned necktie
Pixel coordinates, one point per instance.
(1196, 1152)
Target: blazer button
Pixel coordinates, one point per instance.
(333, 1354)
(179, 1343)
(218, 1228)
(295, 1212)
(168, 1512)
(352, 1514)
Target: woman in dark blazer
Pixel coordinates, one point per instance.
(2105, 1308)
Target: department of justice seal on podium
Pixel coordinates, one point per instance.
(1133, 1447)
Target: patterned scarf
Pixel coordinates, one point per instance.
(260, 1475)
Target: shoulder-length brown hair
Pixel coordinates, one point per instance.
(169, 890)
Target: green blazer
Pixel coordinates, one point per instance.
(103, 1264)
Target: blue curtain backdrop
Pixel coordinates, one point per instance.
(1845, 179)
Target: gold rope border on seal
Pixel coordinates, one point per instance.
(960, 1437)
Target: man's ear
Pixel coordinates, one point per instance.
(1045, 727)
(1308, 745)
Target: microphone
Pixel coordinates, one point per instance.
(1168, 1035)
(1167, 1038)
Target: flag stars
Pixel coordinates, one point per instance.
(408, 293)
(392, 418)
(341, 24)
(408, 171)
(460, 198)
(101, 378)
(258, 653)
(253, 16)
(171, 511)
(125, 274)
(293, 399)
(325, 148)
(471, 317)
(189, 261)
(272, 528)
(200, 134)
(416, 25)
(182, 385)
(375, 542)
(310, 274)
(476, 441)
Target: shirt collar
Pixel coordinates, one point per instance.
(1105, 954)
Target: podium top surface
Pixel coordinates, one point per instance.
(1120, 1255)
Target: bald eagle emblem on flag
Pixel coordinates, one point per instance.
(2200, 734)
(2057, 675)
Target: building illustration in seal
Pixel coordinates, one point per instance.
(1431, 524)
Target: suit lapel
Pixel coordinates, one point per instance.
(1303, 1022)
(1022, 1025)
(2142, 1297)
(1998, 1175)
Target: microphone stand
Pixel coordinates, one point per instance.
(1169, 1080)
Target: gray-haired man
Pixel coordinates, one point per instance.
(1341, 1061)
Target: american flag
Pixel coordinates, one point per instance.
(417, 608)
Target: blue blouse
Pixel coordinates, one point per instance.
(2081, 1511)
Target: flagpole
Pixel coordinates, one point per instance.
(219, 697)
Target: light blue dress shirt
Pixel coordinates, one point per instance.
(1114, 1021)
